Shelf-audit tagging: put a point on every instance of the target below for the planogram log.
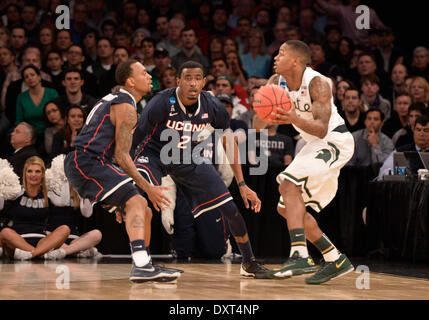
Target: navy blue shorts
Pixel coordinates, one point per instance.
(98, 181)
(201, 184)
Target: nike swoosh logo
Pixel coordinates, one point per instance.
(173, 114)
(217, 220)
(138, 247)
(151, 269)
(338, 265)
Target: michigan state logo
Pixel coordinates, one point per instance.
(329, 155)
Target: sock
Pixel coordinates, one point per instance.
(327, 249)
(298, 242)
(246, 251)
(139, 253)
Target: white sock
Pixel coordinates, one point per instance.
(140, 258)
(332, 255)
(302, 250)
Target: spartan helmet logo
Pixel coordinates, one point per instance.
(327, 155)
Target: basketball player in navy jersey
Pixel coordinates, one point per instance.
(311, 180)
(101, 168)
(187, 112)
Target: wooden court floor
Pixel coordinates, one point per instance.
(91, 280)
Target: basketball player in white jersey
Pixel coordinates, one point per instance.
(312, 177)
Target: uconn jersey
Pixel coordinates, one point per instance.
(97, 136)
(303, 103)
(165, 120)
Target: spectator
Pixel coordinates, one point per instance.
(89, 41)
(244, 25)
(386, 54)
(398, 75)
(54, 64)
(284, 14)
(18, 40)
(161, 33)
(347, 16)
(420, 143)
(143, 19)
(372, 147)
(148, 48)
(230, 44)
(399, 117)
(419, 90)
(30, 103)
(46, 40)
(279, 37)
(108, 28)
(63, 42)
(105, 59)
(162, 60)
(225, 85)
(14, 84)
(341, 89)
(404, 136)
(76, 59)
(236, 69)
(122, 38)
(73, 95)
(168, 78)
(29, 22)
(319, 62)
(367, 65)
(215, 49)
(63, 142)
(54, 117)
(370, 95)
(255, 60)
(420, 63)
(262, 19)
(344, 55)
(13, 15)
(188, 52)
(220, 23)
(78, 23)
(22, 139)
(4, 37)
(27, 239)
(293, 33)
(220, 67)
(333, 36)
(352, 113)
(407, 84)
(173, 43)
(7, 64)
(306, 26)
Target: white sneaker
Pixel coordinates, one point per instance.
(89, 253)
(21, 254)
(55, 254)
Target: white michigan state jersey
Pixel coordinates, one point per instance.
(303, 104)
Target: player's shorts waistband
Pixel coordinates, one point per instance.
(342, 128)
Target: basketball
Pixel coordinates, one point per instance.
(268, 98)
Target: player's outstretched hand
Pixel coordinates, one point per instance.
(281, 116)
(249, 195)
(159, 200)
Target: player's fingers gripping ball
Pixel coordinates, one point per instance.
(267, 99)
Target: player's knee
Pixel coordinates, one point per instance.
(138, 202)
(64, 230)
(149, 214)
(6, 234)
(96, 235)
(228, 209)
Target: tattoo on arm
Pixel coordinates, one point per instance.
(321, 94)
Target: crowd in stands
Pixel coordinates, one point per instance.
(50, 78)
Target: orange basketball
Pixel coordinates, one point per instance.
(268, 98)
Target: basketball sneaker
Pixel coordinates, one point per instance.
(55, 254)
(152, 273)
(254, 269)
(331, 270)
(294, 266)
(162, 266)
(21, 254)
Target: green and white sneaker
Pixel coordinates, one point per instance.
(294, 266)
(331, 270)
